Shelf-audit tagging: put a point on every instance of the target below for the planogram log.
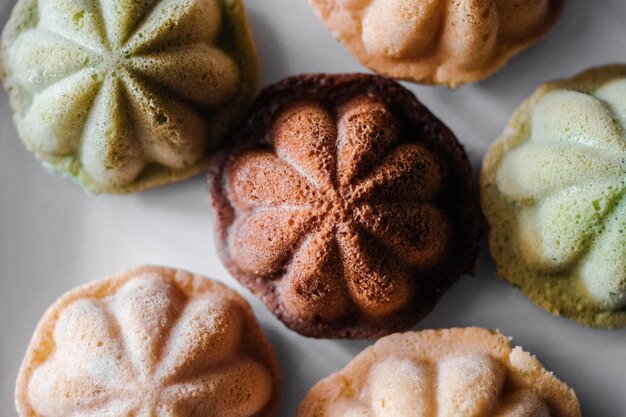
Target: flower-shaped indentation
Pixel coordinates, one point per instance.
(120, 93)
(342, 212)
(453, 374)
(151, 349)
(440, 41)
(568, 181)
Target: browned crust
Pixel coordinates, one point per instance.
(41, 345)
(459, 199)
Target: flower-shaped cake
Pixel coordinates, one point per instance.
(345, 205)
(122, 95)
(554, 192)
(446, 42)
(468, 372)
(149, 342)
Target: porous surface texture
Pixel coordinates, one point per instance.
(345, 205)
(123, 95)
(447, 42)
(149, 342)
(554, 194)
(468, 372)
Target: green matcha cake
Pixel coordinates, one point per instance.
(554, 194)
(123, 95)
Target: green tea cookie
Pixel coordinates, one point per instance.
(123, 95)
(554, 194)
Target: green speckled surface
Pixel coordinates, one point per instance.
(125, 95)
(554, 193)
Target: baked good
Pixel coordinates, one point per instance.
(149, 341)
(554, 194)
(345, 205)
(468, 372)
(124, 95)
(447, 42)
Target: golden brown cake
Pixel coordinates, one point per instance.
(345, 205)
(149, 342)
(447, 42)
(554, 194)
(123, 95)
(468, 372)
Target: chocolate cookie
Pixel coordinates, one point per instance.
(345, 205)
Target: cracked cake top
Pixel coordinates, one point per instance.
(345, 205)
(124, 95)
(149, 341)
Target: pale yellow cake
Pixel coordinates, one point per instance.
(149, 342)
(447, 42)
(553, 189)
(469, 372)
(123, 95)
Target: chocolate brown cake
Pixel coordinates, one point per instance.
(345, 205)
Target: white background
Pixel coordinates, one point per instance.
(53, 236)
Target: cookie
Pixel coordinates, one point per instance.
(469, 372)
(345, 205)
(554, 193)
(149, 341)
(437, 41)
(126, 95)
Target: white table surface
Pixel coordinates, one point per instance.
(53, 236)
